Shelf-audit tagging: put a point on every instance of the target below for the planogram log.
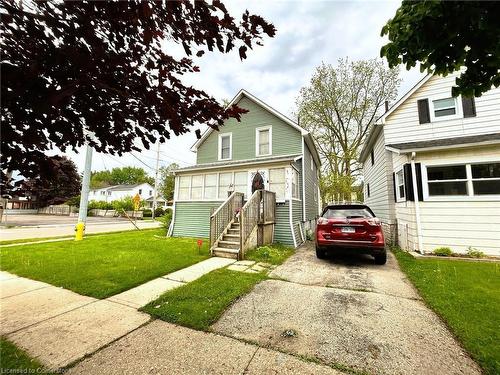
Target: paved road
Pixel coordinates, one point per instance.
(347, 311)
(66, 227)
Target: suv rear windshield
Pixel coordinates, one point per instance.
(347, 212)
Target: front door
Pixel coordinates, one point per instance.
(258, 180)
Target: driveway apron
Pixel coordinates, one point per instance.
(347, 311)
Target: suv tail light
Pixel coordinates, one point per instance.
(322, 221)
(374, 222)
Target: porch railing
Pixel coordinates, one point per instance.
(226, 212)
(259, 209)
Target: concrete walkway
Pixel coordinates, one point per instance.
(58, 326)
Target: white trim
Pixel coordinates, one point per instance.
(458, 108)
(419, 84)
(290, 216)
(259, 102)
(438, 148)
(219, 146)
(303, 182)
(171, 226)
(257, 131)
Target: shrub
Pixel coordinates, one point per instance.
(443, 251)
(74, 201)
(165, 220)
(100, 205)
(147, 213)
(123, 204)
(309, 235)
(159, 211)
(474, 253)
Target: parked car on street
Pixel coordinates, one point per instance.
(350, 228)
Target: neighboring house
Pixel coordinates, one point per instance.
(265, 147)
(432, 169)
(117, 192)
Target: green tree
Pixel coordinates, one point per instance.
(167, 181)
(339, 106)
(118, 176)
(443, 36)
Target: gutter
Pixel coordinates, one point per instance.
(417, 202)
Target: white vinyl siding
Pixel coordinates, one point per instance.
(403, 125)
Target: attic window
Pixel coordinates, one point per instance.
(445, 107)
(263, 141)
(225, 146)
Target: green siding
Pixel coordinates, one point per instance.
(192, 219)
(282, 231)
(311, 185)
(286, 140)
(296, 219)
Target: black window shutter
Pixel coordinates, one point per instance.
(468, 107)
(408, 183)
(424, 116)
(418, 170)
(394, 185)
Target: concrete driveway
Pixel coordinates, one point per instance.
(350, 312)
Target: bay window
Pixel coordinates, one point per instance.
(277, 182)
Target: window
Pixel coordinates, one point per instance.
(372, 157)
(225, 146)
(447, 180)
(295, 184)
(196, 187)
(347, 212)
(400, 186)
(368, 190)
(210, 186)
(109, 193)
(150, 192)
(277, 182)
(140, 191)
(444, 108)
(263, 141)
(241, 182)
(224, 184)
(486, 178)
(184, 183)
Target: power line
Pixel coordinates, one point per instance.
(141, 161)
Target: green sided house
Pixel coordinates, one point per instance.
(262, 171)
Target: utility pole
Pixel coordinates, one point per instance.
(84, 195)
(155, 192)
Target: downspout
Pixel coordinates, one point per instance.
(416, 200)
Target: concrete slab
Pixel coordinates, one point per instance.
(264, 264)
(197, 270)
(355, 272)
(267, 361)
(19, 285)
(62, 340)
(163, 348)
(245, 263)
(259, 268)
(145, 293)
(250, 270)
(237, 267)
(6, 276)
(32, 307)
(371, 332)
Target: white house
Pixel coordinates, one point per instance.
(431, 169)
(116, 192)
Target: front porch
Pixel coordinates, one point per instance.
(236, 225)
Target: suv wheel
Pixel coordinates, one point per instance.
(381, 259)
(320, 253)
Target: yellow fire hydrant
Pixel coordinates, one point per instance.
(80, 229)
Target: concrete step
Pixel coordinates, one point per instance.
(225, 252)
(229, 244)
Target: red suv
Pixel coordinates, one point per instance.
(351, 227)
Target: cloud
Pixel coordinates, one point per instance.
(308, 33)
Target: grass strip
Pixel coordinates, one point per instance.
(16, 361)
(273, 254)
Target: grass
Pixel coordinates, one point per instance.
(200, 303)
(273, 254)
(16, 361)
(101, 266)
(466, 295)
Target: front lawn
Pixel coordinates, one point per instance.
(103, 265)
(200, 303)
(466, 295)
(272, 254)
(15, 361)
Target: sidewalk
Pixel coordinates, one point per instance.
(59, 327)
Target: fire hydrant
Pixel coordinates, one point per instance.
(79, 229)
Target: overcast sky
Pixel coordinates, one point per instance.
(308, 33)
